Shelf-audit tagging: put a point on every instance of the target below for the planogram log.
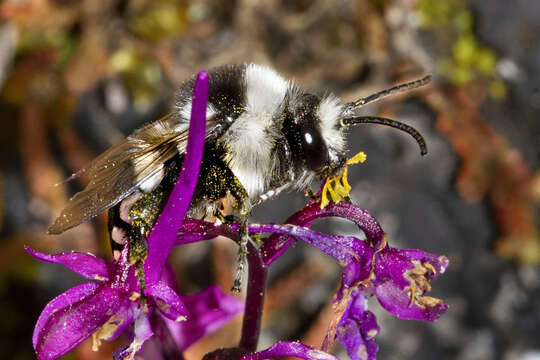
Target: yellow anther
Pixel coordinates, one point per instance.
(338, 186)
(358, 158)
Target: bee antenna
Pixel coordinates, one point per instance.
(387, 92)
(388, 122)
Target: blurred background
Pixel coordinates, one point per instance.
(76, 76)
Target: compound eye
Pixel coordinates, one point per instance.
(314, 149)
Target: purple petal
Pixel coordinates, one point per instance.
(439, 262)
(168, 277)
(344, 249)
(142, 330)
(398, 303)
(276, 245)
(198, 230)
(167, 301)
(163, 235)
(353, 273)
(392, 264)
(60, 302)
(118, 323)
(208, 311)
(402, 279)
(357, 329)
(87, 265)
(72, 317)
(292, 348)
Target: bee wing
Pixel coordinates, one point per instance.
(118, 172)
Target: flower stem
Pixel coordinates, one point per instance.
(251, 326)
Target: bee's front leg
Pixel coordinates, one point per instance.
(244, 238)
(242, 210)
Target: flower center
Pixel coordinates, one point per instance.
(419, 279)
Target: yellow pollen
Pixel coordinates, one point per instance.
(134, 296)
(337, 186)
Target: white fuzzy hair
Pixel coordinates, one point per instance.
(185, 114)
(251, 138)
(329, 112)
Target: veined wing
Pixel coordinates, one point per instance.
(119, 171)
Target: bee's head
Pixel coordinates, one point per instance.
(312, 129)
(315, 128)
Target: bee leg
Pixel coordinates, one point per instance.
(244, 239)
(138, 251)
(242, 255)
(243, 233)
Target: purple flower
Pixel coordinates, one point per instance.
(398, 278)
(402, 278)
(209, 310)
(104, 310)
(357, 328)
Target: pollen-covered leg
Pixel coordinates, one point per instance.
(138, 252)
(219, 185)
(131, 221)
(244, 239)
(242, 255)
(143, 213)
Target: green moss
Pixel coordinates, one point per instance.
(497, 89)
(486, 61)
(464, 50)
(162, 19)
(142, 75)
(468, 59)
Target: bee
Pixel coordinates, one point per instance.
(264, 134)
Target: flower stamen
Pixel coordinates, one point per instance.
(430, 267)
(412, 290)
(419, 280)
(338, 186)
